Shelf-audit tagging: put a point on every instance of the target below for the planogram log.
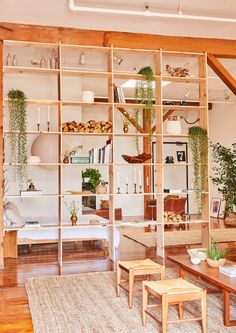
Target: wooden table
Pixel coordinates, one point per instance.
(212, 276)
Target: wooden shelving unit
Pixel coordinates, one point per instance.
(110, 74)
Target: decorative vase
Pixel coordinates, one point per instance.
(66, 160)
(125, 128)
(73, 219)
(216, 263)
(101, 189)
(173, 125)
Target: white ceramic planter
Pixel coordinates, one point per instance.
(88, 96)
(173, 127)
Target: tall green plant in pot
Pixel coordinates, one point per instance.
(225, 173)
(17, 133)
(198, 143)
(144, 95)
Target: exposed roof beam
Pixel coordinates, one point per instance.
(37, 33)
(222, 72)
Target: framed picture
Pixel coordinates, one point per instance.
(221, 214)
(215, 207)
(181, 156)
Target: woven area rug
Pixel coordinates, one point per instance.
(87, 303)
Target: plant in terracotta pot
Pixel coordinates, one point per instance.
(215, 256)
(73, 208)
(101, 188)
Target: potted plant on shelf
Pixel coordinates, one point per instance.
(198, 143)
(144, 95)
(17, 134)
(225, 176)
(215, 257)
(92, 177)
(73, 209)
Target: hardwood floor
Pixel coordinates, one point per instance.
(14, 310)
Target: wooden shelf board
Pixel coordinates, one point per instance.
(93, 74)
(187, 79)
(38, 101)
(29, 44)
(33, 196)
(29, 70)
(179, 53)
(133, 105)
(32, 228)
(183, 107)
(87, 164)
(134, 76)
(35, 164)
(78, 103)
(86, 47)
(86, 134)
(35, 132)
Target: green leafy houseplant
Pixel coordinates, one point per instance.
(144, 95)
(225, 173)
(94, 176)
(214, 253)
(17, 134)
(198, 143)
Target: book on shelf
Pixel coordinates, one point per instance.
(80, 160)
(30, 193)
(229, 270)
(101, 155)
(119, 96)
(32, 224)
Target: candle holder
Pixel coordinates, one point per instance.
(135, 188)
(127, 188)
(38, 127)
(118, 190)
(140, 188)
(48, 123)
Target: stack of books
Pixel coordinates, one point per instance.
(101, 155)
(119, 95)
(229, 270)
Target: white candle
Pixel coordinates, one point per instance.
(118, 179)
(48, 114)
(135, 178)
(140, 178)
(147, 181)
(127, 180)
(38, 115)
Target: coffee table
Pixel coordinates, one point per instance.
(212, 276)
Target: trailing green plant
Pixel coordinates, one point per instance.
(198, 143)
(17, 134)
(144, 95)
(214, 253)
(94, 176)
(225, 173)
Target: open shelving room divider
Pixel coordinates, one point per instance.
(111, 74)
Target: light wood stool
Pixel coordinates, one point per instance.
(172, 292)
(134, 268)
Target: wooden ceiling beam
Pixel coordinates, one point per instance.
(222, 72)
(37, 33)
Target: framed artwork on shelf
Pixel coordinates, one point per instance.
(215, 207)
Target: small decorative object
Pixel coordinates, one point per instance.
(140, 188)
(195, 260)
(104, 204)
(14, 61)
(82, 58)
(38, 121)
(135, 188)
(31, 186)
(141, 158)
(215, 257)
(198, 143)
(9, 60)
(88, 96)
(67, 155)
(177, 71)
(48, 62)
(215, 207)
(181, 156)
(43, 62)
(169, 160)
(200, 253)
(125, 128)
(93, 175)
(48, 119)
(17, 134)
(101, 188)
(73, 209)
(173, 125)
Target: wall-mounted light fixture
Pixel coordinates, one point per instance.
(117, 59)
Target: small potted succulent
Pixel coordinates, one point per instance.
(215, 257)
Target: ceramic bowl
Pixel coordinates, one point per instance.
(195, 260)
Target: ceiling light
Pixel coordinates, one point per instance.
(132, 84)
(117, 59)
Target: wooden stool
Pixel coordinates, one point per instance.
(172, 292)
(136, 268)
